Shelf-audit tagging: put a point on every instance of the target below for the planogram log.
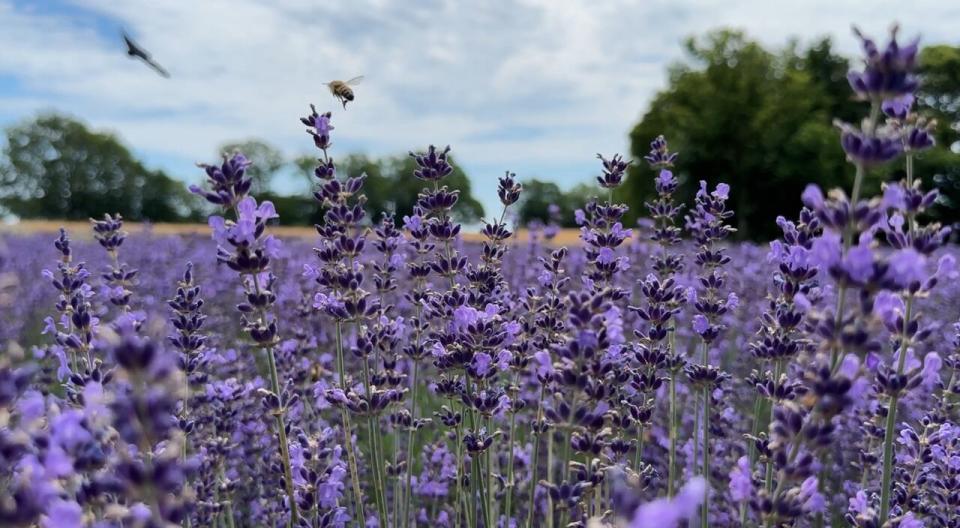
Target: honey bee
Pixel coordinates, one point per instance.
(342, 91)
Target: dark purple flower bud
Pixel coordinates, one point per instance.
(886, 74)
(660, 156)
(868, 150)
(432, 166)
(613, 171)
(509, 190)
(227, 182)
(898, 107)
(920, 137)
(440, 200)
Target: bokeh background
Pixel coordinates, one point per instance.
(746, 91)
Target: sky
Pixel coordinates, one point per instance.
(537, 87)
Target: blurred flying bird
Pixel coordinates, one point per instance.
(135, 51)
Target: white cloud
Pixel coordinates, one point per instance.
(535, 83)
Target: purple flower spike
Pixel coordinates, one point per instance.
(660, 156)
(613, 171)
(886, 74)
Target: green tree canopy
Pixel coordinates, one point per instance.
(267, 161)
(939, 98)
(391, 187)
(538, 196)
(761, 121)
(55, 167)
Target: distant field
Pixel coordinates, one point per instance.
(82, 230)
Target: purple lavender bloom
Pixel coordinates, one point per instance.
(919, 137)
(907, 267)
(482, 364)
(700, 324)
(64, 514)
(660, 156)
(887, 74)
(868, 149)
(813, 501)
(812, 196)
(319, 127)
(741, 481)
(894, 197)
(228, 184)
(434, 165)
(668, 513)
(614, 170)
(859, 504)
(666, 182)
(910, 521)
(898, 107)
(579, 217)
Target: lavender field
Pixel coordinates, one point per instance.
(387, 373)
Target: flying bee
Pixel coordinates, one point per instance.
(342, 89)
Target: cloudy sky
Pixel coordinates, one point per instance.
(533, 86)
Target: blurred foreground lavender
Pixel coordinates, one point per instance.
(392, 375)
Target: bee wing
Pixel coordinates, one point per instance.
(355, 81)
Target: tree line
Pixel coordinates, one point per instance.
(55, 167)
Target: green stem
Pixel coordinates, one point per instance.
(491, 521)
(373, 444)
(183, 453)
(396, 489)
(347, 433)
(757, 405)
(869, 128)
(891, 425)
(282, 437)
(281, 428)
(230, 521)
(410, 437)
(768, 476)
(510, 482)
(535, 461)
(912, 219)
(706, 456)
(597, 492)
(474, 422)
(672, 457)
(376, 447)
(887, 460)
(459, 492)
(474, 480)
(638, 456)
(696, 431)
(549, 478)
(565, 470)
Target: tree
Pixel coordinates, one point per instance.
(55, 167)
(760, 121)
(538, 196)
(939, 98)
(267, 161)
(391, 187)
